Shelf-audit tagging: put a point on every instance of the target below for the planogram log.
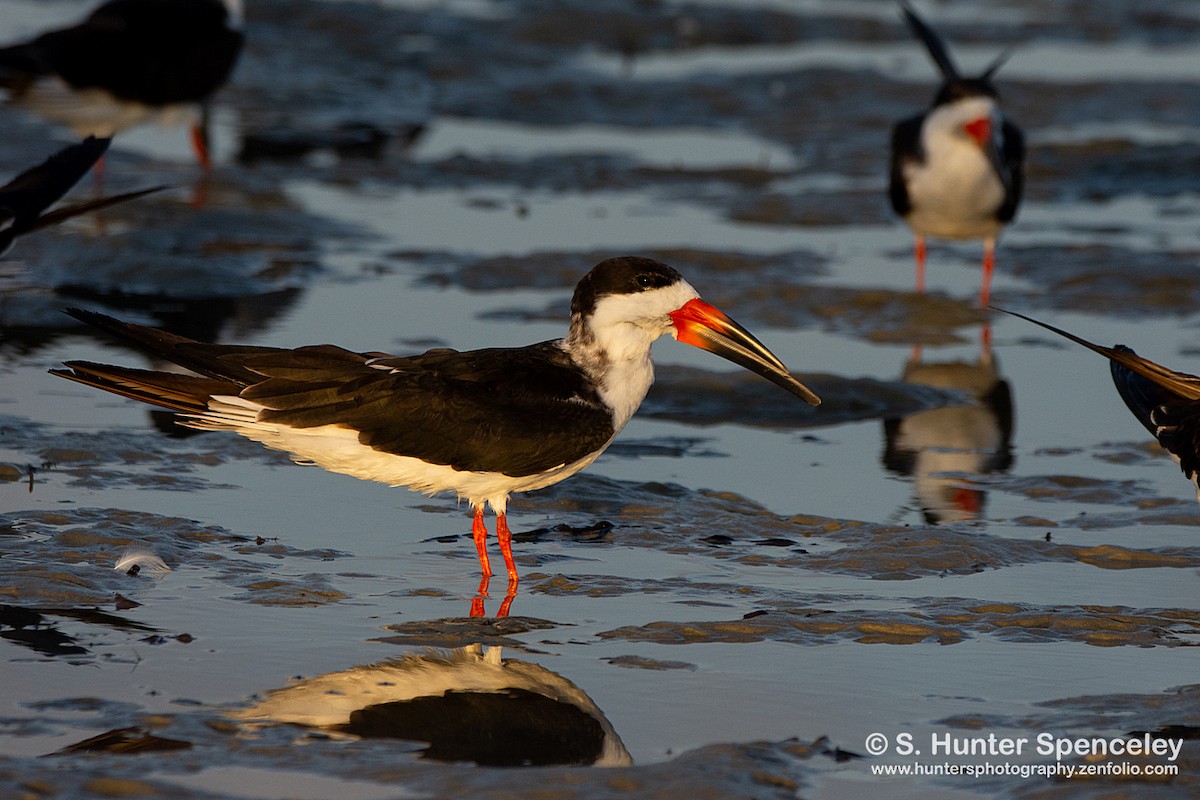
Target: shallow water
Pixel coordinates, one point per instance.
(746, 589)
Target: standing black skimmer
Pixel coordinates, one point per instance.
(129, 62)
(481, 423)
(1166, 402)
(25, 197)
(956, 170)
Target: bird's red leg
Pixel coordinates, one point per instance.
(98, 177)
(479, 532)
(989, 266)
(919, 256)
(200, 145)
(504, 536)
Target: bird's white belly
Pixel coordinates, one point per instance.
(95, 112)
(955, 196)
(337, 449)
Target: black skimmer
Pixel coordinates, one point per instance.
(481, 423)
(25, 197)
(468, 704)
(957, 169)
(1166, 402)
(129, 62)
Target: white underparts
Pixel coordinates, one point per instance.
(955, 192)
(95, 112)
(337, 449)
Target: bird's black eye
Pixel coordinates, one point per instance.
(645, 281)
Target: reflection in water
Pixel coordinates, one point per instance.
(466, 704)
(284, 142)
(33, 628)
(207, 318)
(478, 602)
(32, 318)
(124, 741)
(941, 448)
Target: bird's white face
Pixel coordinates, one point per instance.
(973, 120)
(639, 318)
(614, 347)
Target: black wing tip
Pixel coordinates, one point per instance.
(1101, 349)
(86, 315)
(934, 44)
(911, 17)
(940, 53)
(75, 369)
(101, 322)
(997, 62)
(66, 212)
(97, 144)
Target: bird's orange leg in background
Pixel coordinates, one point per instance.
(919, 256)
(200, 145)
(98, 177)
(989, 266)
(985, 341)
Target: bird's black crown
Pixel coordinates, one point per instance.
(623, 275)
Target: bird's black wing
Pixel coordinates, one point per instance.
(24, 198)
(516, 411)
(220, 361)
(1172, 419)
(34, 190)
(906, 149)
(145, 50)
(933, 43)
(20, 64)
(1012, 155)
(1166, 402)
(1141, 395)
(1179, 432)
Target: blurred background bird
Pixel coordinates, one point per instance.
(129, 62)
(957, 169)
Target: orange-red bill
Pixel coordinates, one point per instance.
(701, 325)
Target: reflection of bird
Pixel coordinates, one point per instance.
(129, 62)
(1166, 402)
(956, 170)
(25, 197)
(482, 423)
(467, 704)
(942, 447)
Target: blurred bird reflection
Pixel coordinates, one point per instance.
(942, 449)
(466, 704)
